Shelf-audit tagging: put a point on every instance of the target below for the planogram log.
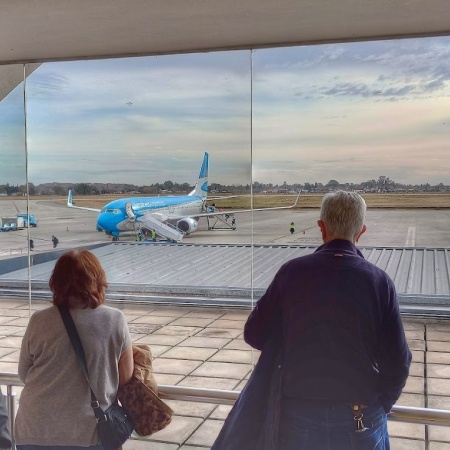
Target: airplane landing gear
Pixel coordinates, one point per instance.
(115, 238)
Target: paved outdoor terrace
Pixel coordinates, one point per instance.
(203, 347)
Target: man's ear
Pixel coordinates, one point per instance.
(364, 228)
(323, 230)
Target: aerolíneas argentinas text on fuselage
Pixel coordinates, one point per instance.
(172, 217)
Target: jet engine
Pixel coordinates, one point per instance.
(188, 225)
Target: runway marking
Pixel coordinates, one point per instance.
(411, 237)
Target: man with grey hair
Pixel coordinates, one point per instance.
(346, 359)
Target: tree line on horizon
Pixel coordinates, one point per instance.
(382, 184)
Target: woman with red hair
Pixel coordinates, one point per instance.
(55, 404)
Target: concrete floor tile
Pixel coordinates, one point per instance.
(406, 444)
(205, 314)
(438, 386)
(235, 356)
(137, 336)
(436, 357)
(11, 357)
(416, 400)
(170, 311)
(414, 385)
(180, 429)
(219, 333)
(143, 328)
(195, 353)
(439, 446)
(133, 444)
(206, 434)
(130, 317)
(416, 344)
(8, 366)
(228, 324)
(411, 325)
(237, 315)
(441, 336)
(192, 321)
(175, 366)
(209, 382)
(439, 325)
(206, 342)
(417, 369)
(222, 370)
(439, 433)
(191, 409)
(438, 370)
(418, 356)
(241, 385)
(221, 412)
(6, 330)
(406, 430)
(239, 344)
(172, 330)
(153, 320)
(158, 350)
(12, 320)
(415, 334)
(438, 402)
(6, 351)
(432, 346)
(18, 321)
(190, 447)
(158, 339)
(11, 341)
(167, 378)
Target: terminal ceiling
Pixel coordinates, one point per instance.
(44, 30)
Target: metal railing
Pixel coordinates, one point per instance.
(423, 416)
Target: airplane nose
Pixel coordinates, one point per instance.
(102, 222)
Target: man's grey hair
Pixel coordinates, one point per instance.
(343, 214)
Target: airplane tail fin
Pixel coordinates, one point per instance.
(201, 187)
(69, 198)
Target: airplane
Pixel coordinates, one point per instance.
(171, 217)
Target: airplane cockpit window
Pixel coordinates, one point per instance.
(109, 210)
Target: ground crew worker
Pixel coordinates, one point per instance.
(55, 241)
(138, 237)
(292, 229)
(153, 235)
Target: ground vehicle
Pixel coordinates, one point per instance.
(27, 219)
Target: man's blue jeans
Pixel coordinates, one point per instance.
(309, 427)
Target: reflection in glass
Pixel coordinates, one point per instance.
(13, 200)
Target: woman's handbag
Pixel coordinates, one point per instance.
(150, 414)
(114, 426)
(139, 396)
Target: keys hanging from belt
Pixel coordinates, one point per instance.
(358, 416)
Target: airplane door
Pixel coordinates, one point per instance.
(130, 212)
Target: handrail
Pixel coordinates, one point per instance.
(424, 416)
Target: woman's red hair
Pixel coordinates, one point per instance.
(78, 279)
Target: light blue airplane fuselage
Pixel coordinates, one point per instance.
(113, 218)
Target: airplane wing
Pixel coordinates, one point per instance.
(71, 205)
(238, 211)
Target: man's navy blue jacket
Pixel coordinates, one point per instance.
(340, 320)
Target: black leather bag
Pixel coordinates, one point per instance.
(114, 426)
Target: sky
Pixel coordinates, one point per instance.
(349, 112)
